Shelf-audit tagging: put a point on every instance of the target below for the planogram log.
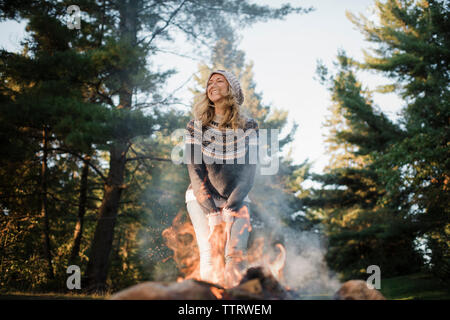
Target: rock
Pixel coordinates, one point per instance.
(357, 290)
(187, 289)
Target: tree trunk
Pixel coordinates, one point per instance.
(78, 234)
(44, 208)
(104, 232)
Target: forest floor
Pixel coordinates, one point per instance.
(418, 286)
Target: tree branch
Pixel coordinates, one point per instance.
(147, 157)
(81, 158)
(165, 26)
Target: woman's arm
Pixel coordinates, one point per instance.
(247, 178)
(198, 173)
(245, 184)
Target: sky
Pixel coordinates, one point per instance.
(285, 54)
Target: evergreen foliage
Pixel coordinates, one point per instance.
(386, 189)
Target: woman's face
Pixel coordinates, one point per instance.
(217, 88)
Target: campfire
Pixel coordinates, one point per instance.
(180, 238)
(263, 279)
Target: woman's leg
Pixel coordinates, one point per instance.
(236, 247)
(201, 228)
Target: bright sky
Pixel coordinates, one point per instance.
(285, 55)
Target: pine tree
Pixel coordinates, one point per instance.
(359, 224)
(389, 189)
(45, 110)
(414, 51)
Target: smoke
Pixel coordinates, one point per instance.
(306, 271)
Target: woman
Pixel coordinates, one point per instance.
(221, 151)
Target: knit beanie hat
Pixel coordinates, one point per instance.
(234, 83)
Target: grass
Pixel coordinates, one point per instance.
(49, 296)
(418, 286)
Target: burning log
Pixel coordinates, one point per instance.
(257, 284)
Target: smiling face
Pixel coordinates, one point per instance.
(217, 88)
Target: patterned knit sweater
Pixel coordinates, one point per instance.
(221, 165)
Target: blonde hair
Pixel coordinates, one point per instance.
(204, 110)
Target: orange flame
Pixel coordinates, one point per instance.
(181, 239)
(218, 293)
(276, 266)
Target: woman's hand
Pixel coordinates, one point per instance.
(220, 231)
(224, 228)
(212, 228)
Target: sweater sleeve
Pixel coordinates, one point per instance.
(246, 179)
(198, 173)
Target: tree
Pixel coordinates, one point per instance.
(42, 91)
(414, 52)
(402, 163)
(362, 228)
